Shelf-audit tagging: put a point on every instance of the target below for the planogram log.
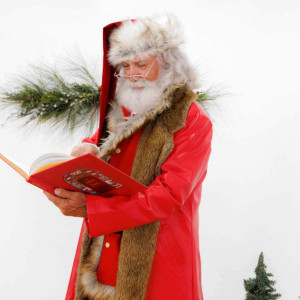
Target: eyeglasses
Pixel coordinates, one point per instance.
(135, 77)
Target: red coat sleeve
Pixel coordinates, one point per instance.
(181, 172)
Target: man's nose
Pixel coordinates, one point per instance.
(132, 71)
(131, 79)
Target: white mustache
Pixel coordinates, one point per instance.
(138, 83)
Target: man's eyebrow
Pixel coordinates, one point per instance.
(142, 61)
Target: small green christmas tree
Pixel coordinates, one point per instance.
(261, 287)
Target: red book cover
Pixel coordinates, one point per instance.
(87, 174)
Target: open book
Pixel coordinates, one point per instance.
(86, 173)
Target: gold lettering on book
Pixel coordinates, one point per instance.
(90, 181)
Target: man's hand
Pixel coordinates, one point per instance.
(84, 148)
(70, 203)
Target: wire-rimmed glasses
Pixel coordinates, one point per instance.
(135, 77)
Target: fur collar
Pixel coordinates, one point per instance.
(120, 128)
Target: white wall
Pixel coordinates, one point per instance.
(250, 198)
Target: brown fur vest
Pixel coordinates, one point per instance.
(137, 244)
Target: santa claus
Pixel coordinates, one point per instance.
(145, 245)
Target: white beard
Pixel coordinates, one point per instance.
(140, 100)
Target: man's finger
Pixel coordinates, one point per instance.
(62, 193)
(47, 194)
(52, 198)
(70, 203)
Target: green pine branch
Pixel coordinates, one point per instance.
(45, 94)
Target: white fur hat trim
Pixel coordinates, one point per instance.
(143, 37)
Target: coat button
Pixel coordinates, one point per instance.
(118, 150)
(107, 245)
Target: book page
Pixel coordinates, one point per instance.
(19, 167)
(48, 160)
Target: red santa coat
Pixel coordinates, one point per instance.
(173, 198)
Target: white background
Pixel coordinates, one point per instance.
(250, 199)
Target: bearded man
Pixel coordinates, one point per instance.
(145, 245)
